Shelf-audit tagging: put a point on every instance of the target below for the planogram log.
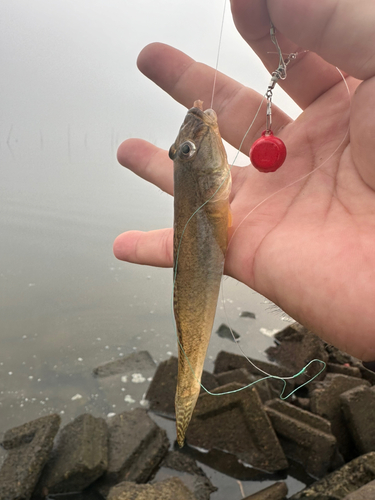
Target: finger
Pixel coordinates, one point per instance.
(147, 161)
(308, 76)
(153, 248)
(186, 81)
(340, 31)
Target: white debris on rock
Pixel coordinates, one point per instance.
(137, 378)
(268, 333)
(77, 396)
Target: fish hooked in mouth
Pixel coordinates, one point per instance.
(202, 185)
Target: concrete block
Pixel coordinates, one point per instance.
(136, 362)
(79, 457)
(226, 333)
(296, 348)
(358, 405)
(277, 491)
(325, 401)
(136, 447)
(181, 462)
(265, 390)
(237, 424)
(162, 390)
(171, 489)
(29, 446)
(226, 361)
(351, 371)
(200, 486)
(342, 482)
(124, 382)
(178, 464)
(304, 437)
(367, 492)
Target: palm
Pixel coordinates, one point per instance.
(305, 247)
(308, 247)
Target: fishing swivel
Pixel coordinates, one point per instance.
(268, 153)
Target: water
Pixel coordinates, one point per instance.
(69, 94)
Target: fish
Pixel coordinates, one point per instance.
(202, 184)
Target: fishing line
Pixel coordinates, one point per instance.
(218, 54)
(300, 178)
(282, 65)
(268, 375)
(240, 224)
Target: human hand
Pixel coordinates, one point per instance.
(311, 247)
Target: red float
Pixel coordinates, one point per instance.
(268, 153)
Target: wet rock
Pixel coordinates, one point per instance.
(29, 446)
(136, 447)
(126, 380)
(226, 361)
(180, 465)
(200, 486)
(277, 491)
(136, 362)
(162, 390)
(367, 492)
(339, 484)
(171, 489)
(79, 457)
(325, 401)
(303, 403)
(358, 405)
(346, 369)
(243, 377)
(227, 333)
(247, 314)
(237, 424)
(82, 495)
(365, 373)
(304, 437)
(181, 462)
(336, 356)
(297, 347)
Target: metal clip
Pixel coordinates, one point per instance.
(269, 117)
(281, 70)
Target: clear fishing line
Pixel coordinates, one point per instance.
(267, 375)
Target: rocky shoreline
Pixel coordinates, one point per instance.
(327, 427)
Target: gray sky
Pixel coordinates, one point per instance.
(68, 62)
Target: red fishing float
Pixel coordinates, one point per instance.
(268, 153)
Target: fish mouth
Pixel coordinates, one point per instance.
(196, 124)
(209, 116)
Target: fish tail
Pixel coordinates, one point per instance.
(184, 406)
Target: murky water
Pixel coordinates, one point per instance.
(70, 93)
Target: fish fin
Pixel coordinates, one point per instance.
(184, 407)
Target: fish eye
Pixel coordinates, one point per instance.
(187, 149)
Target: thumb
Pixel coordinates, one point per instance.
(340, 31)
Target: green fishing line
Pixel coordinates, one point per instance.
(269, 376)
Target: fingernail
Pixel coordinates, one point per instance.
(370, 365)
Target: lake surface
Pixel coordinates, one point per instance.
(70, 93)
